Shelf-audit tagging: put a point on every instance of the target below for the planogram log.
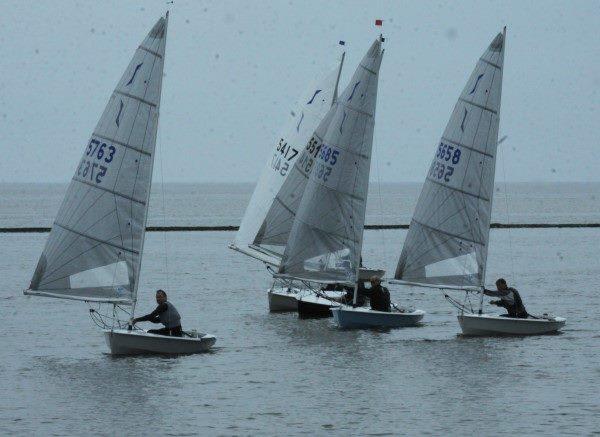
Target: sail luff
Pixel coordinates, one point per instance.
(501, 64)
(449, 233)
(149, 190)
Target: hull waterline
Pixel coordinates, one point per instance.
(347, 317)
(313, 306)
(124, 342)
(283, 299)
(491, 325)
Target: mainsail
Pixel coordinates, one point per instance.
(447, 242)
(94, 249)
(312, 107)
(325, 241)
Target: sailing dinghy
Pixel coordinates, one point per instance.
(266, 224)
(447, 242)
(325, 239)
(94, 250)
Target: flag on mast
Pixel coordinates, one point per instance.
(378, 22)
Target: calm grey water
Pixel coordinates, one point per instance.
(274, 374)
(224, 204)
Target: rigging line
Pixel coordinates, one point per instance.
(162, 185)
(512, 261)
(383, 233)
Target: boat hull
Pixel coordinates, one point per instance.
(347, 317)
(282, 300)
(490, 325)
(137, 342)
(313, 306)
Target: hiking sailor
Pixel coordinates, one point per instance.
(509, 299)
(379, 296)
(164, 313)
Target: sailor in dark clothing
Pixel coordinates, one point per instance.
(361, 294)
(164, 313)
(379, 296)
(509, 299)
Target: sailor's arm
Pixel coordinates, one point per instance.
(153, 316)
(493, 293)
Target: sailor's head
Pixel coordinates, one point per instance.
(375, 280)
(161, 296)
(501, 284)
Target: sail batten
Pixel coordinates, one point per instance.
(152, 52)
(485, 108)
(139, 99)
(464, 146)
(128, 146)
(108, 242)
(447, 241)
(458, 190)
(108, 190)
(95, 247)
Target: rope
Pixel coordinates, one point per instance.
(164, 214)
(512, 261)
(380, 199)
(461, 307)
(106, 321)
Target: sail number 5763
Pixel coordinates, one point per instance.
(96, 154)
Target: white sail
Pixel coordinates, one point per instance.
(447, 242)
(94, 249)
(311, 108)
(264, 238)
(326, 237)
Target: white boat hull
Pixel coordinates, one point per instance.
(347, 317)
(283, 299)
(489, 324)
(138, 342)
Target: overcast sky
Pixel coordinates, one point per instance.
(234, 70)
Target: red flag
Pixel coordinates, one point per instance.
(378, 22)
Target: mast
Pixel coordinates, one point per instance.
(357, 273)
(139, 269)
(492, 198)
